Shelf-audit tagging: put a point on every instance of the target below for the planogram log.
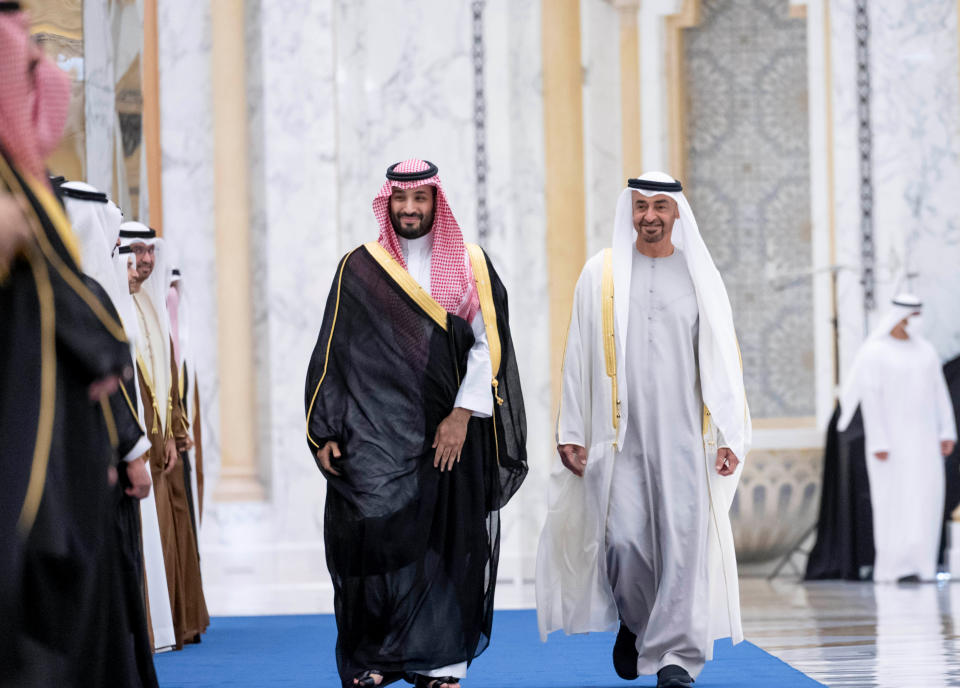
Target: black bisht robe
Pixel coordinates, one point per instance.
(57, 523)
(412, 551)
(844, 547)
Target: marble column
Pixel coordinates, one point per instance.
(238, 471)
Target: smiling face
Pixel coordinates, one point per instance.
(145, 259)
(411, 210)
(653, 217)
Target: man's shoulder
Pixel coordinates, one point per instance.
(350, 257)
(592, 270)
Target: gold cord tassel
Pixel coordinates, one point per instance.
(496, 396)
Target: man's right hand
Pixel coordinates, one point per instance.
(574, 457)
(882, 455)
(326, 454)
(169, 455)
(139, 478)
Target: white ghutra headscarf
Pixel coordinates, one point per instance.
(902, 307)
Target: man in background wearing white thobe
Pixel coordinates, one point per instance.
(909, 427)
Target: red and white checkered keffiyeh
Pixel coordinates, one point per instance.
(33, 106)
(451, 282)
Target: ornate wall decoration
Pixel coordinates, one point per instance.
(748, 182)
(865, 147)
(778, 500)
(480, 121)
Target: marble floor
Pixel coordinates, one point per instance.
(858, 634)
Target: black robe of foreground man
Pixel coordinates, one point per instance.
(59, 335)
(412, 551)
(844, 548)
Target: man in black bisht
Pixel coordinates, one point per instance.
(62, 353)
(415, 417)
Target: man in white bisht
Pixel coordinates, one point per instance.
(897, 382)
(652, 427)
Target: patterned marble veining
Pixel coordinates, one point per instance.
(748, 162)
(846, 211)
(858, 634)
(187, 150)
(515, 150)
(603, 149)
(98, 94)
(299, 242)
(916, 128)
(404, 89)
(915, 124)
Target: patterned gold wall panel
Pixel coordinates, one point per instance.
(748, 182)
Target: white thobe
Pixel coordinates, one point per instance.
(151, 350)
(474, 393)
(907, 412)
(656, 532)
(645, 534)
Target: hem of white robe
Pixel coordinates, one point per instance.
(459, 670)
(648, 667)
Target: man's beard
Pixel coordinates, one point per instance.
(143, 274)
(426, 224)
(651, 238)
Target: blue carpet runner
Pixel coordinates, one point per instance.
(288, 651)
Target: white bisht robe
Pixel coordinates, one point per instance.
(572, 583)
(907, 412)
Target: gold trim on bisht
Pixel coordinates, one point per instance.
(478, 262)
(406, 282)
(609, 341)
(48, 393)
(326, 356)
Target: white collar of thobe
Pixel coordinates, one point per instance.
(419, 247)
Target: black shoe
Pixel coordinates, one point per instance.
(625, 654)
(913, 578)
(673, 676)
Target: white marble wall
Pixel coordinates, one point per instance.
(916, 125)
(99, 106)
(602, 142)
(336, 92)
(915, 112)
(517, 235)
(186, 117)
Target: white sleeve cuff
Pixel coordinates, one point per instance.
(139, 449)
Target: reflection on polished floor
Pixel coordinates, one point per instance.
(858, 634)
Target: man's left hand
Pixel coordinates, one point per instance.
(727, 461)
(449, 439)
(184, 443)
(170, 455)
(946, 447)
(103, 387)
